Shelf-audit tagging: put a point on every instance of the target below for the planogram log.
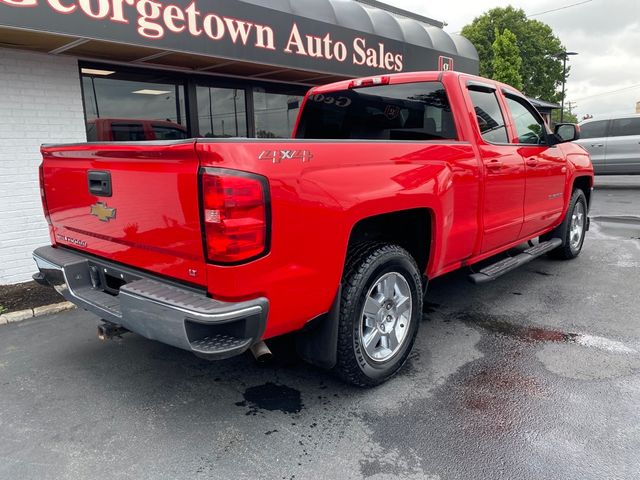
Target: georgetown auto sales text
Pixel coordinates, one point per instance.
(154, 20)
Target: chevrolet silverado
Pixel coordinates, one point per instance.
(216, 245)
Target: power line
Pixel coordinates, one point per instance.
(549, 11)
(637, 85)
(559, 8)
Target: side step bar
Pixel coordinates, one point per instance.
(498, 269)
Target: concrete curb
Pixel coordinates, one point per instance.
(14, 317)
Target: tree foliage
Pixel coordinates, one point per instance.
(506, 62)
(568, 117)
(540, 69)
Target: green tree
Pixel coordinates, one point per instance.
(541, 70)
(568, 117)
(506, 62)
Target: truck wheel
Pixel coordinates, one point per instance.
(380, 312)
(572, 230)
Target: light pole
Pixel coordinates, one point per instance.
(564, 56)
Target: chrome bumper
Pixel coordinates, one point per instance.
(154, 308)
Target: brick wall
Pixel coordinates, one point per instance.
(40, 102)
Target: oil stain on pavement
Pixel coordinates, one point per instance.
(271, 397)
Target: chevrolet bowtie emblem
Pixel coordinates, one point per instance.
(103, 212)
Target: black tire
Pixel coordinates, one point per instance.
(367, 265)
(570, 249)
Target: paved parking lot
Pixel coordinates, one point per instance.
(535, 376)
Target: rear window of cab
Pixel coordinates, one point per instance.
(411, 111)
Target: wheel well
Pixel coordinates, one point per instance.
(584, 184)
(411, 229)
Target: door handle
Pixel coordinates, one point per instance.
(494, 165)
(599, 144)
(532, 162)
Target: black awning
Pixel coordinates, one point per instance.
(383, 21)
(330, 37)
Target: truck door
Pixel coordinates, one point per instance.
(503, 171)
(545, 166)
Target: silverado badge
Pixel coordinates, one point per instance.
(103, 212)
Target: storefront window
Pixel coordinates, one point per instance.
(275, 113)
(222, 112)
(118, 108)
(135, 104)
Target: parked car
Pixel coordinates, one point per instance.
(613, 143)
(133, 130)
(215, 245)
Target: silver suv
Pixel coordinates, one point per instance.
(614, 144)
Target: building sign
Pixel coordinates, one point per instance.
(228, 29)
(445, 63)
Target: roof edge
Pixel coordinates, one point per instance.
(401, 12)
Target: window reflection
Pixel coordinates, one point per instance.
(121, 109)
(529, 129)
(489, 116)
(221, 112)
(275, 113)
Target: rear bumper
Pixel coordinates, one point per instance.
(153, 307)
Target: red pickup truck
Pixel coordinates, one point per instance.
(214, 246)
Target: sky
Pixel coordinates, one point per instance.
(605, 76)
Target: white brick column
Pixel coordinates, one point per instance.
(40, 102)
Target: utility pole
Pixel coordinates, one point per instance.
(564, 55)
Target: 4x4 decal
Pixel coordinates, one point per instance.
(277, 156)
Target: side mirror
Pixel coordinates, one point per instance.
(567, 132)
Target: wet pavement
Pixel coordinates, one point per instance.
(534, 376)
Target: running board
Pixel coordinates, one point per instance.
(505, 266)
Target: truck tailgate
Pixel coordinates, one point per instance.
(137, 204)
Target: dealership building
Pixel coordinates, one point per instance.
(78, 70)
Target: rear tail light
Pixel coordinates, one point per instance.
(235, 215)
(43, 195)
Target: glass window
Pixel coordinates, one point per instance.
(163, 132)
(530, 129)
(275, 113)
(124, 104)
(127, 132)
(594, 129)
(411, 111)
(92, 135)
(624, 127)
(489, 116)
(221, 112)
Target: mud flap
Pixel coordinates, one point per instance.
(318, 345)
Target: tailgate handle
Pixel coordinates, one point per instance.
(99, 183)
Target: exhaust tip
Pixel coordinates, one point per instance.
(261, 352)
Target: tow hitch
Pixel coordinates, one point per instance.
(108, 331)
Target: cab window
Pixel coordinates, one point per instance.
(410, 111)
(530, 129)
(489, 116)
(164, 132)
(128, 132)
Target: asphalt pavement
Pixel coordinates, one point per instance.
(534, 376)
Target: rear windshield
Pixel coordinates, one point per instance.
(410, 111)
